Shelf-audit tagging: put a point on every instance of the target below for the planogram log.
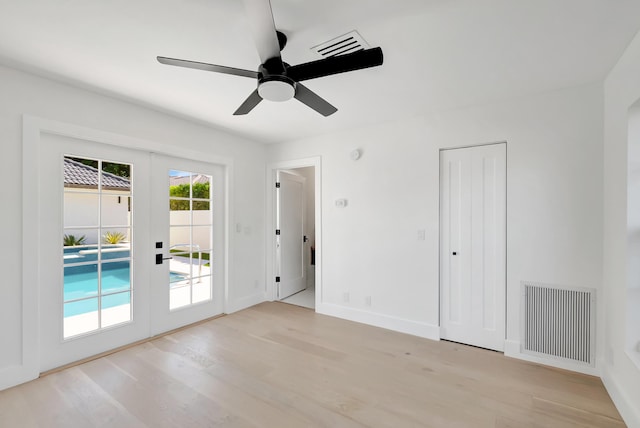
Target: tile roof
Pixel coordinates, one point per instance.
(77, 174)
(198, 178)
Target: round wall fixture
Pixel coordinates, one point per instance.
(355, 154)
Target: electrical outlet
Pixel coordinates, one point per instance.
(345, 297)
(422, 234)
(367, 300)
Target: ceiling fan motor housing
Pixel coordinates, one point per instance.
(273, 84)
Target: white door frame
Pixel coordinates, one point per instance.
(270, 235)
(506, 232)
(32, 128)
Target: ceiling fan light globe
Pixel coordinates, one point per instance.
(276, 90)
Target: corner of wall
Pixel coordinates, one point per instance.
(245, 302)
(619, 375)
(626, 406)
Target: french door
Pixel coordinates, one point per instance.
(473, 245)
(188, 240)
(103, 213)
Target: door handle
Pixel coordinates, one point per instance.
(159, 259)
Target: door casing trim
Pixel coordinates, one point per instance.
(270, 237)
(32, 128)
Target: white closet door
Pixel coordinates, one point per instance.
(473, 245)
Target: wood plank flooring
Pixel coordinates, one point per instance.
(278, 365)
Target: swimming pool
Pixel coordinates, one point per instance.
(89, 253)
(81, 281)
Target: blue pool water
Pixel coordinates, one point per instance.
(81, 282)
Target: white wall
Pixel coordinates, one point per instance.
(621, 372)
(23, 93)
(371, 247)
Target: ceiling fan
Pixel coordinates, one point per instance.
(277, 80)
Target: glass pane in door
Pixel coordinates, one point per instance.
(97, 244)
(190, 238)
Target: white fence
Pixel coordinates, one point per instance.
(81, 219)
(180, 220)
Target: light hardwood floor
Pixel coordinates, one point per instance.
(306, 298)
(278, 365)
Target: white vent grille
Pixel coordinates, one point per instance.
(347, 43)
(559, 322)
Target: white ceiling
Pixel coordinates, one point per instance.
(439, 54)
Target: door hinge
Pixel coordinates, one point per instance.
(277, 231)
(277, 279)
(277, 185)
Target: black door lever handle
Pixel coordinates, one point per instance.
(159, 259)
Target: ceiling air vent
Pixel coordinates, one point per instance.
(347, 43)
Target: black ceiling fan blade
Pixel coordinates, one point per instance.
(248, 105)
(263, 29)
(336, 64)
(313, 100)
(207, 67)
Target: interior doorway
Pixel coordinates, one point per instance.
(296, 236)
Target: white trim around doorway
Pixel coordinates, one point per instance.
(270, 237)
(33, 127)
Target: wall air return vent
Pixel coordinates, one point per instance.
(347, 43)
(559, 322)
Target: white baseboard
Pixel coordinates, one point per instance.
(512, 349)
(15, 375)
(244, 303)
(628, 408)
(428, 331)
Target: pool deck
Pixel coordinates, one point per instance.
(180, 264)
(88, 322)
